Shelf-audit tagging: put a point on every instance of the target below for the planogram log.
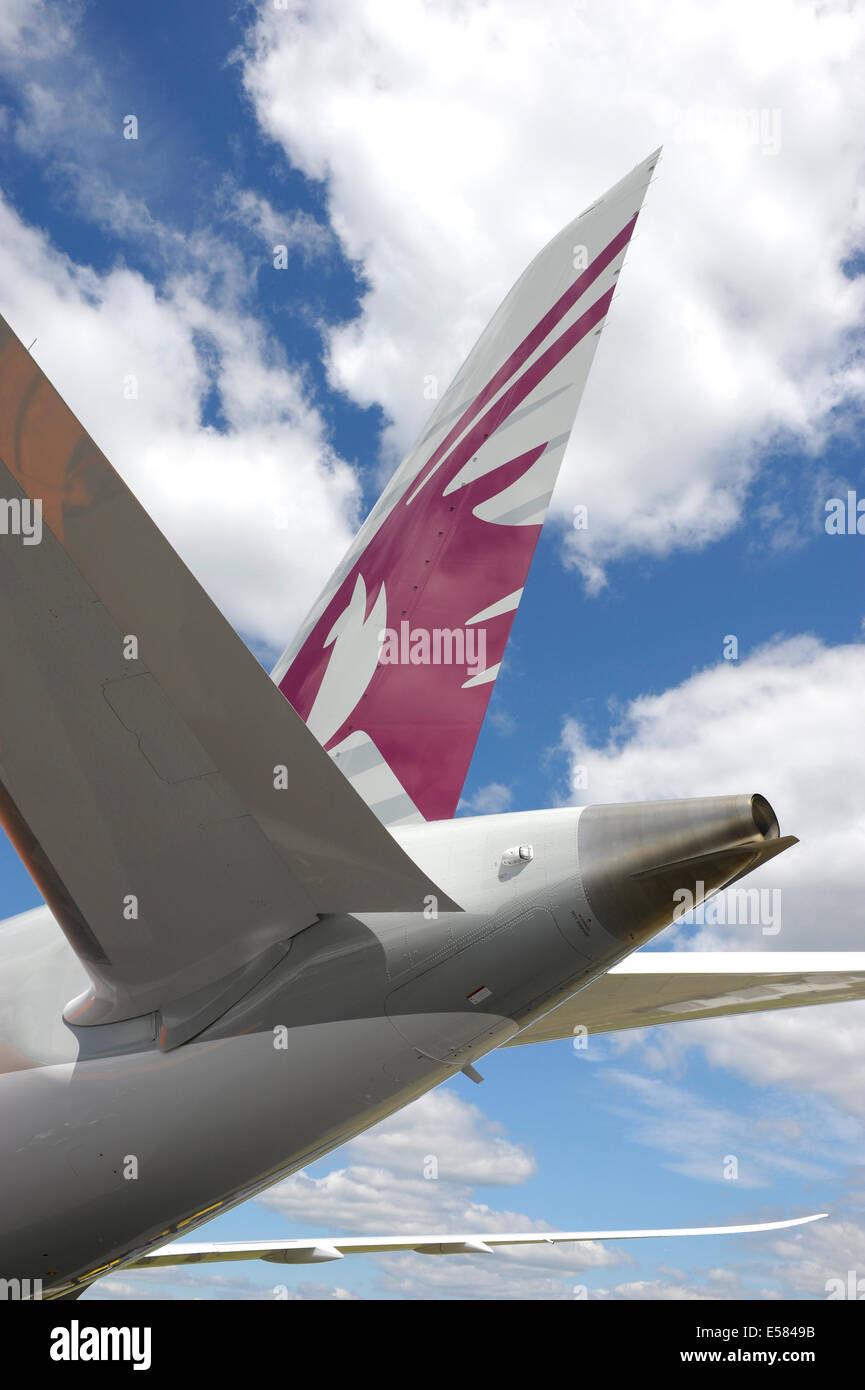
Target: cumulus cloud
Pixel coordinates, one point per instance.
(256, 502)
(468, 1148)
(382, 1190)
(160, 1284)
(456, 139)
(414, 1173)
(823, 1259)
(508, 1274)
(438, 1147)
(172, 372)
(659, 1290)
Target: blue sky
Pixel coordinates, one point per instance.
(413, 157)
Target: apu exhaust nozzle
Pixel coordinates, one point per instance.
(636, 858)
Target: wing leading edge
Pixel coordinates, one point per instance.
(324, 1248)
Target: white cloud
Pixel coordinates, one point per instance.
(829, 1251)
(488, 800)
(456, 139)
(438, 1147)
(801, 1117)
(701, 1137)
(656, 1290)
(507, 1274)
(178, 382)
(296, 231)
(785, 721)
(226, 1282)
(158, 1284)
(382, 1190)
(468, 1148)
(259, 508)
(813, 1052)
(31, 28)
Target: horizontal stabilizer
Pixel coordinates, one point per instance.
(178, 817)
(335, 1247)
(678, 986)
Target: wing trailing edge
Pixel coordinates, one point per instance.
(653, 987)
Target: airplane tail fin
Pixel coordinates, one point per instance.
(394, 666)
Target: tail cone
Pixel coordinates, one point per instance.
(633, 858)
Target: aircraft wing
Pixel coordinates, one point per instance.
(321, 1249)
(653, 987)
(178, 817)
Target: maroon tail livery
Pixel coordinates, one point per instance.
(394, 667)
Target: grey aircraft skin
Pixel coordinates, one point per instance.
(362, 1015)
(251, 948)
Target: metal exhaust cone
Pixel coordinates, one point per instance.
(634, 858)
